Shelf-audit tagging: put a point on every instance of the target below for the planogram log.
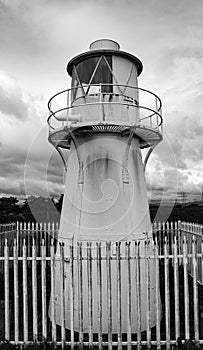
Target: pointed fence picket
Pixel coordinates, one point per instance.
(26, 231)
(29, 265)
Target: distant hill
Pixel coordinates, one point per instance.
(190, 212)
(42, 209)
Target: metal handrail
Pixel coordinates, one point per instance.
(53, 114)
(106, 84)
(134, 103)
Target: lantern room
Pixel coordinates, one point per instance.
(104, 96)
(105, 69)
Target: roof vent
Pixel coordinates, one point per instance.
(104, 44)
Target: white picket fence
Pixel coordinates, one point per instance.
(28, 267)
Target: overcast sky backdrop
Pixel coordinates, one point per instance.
(39, 37)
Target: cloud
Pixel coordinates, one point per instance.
(37, 38)
(23, 142)
(11, 98)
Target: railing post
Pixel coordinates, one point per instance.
(50, 113)
(157, 118)
(67, 102)
(100, 101)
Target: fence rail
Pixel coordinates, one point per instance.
(32, 303)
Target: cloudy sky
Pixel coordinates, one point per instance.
(39, 37)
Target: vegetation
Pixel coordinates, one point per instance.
(32, 209)
(43, 209)
(192, 212)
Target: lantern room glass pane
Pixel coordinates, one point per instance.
(86, 68)
(102, 75)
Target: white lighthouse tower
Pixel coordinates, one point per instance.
(104, 121)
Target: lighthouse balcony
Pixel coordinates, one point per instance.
(97, 108)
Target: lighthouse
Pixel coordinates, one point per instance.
(103, 122)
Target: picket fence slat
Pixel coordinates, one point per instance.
(158, 311)
(147, 277)
(186, 291)
(195, 289)
(99, 294)
(129, 293)
(167, 294)
(6, 291)
(176, 289)
(118, 261)
(31, 264)
(34, 291)
(90, 298)
(16, 291)
(80, 294)
(138, 293)
(72, 314)
(109, 294)
(25, 293)
(43, 281)
(62, 273)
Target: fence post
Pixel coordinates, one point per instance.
(138, 294)
(176, 288)
(53, 274)
(186, 291)
(118, 262)
(201, 294)
(17, 233)
(34, 291)
(109, 294)
(62, 276)
(25, 295)
(89, 283)
(147, 278)
(99, 293)
(158, 311)
(167, 294)
(6, 290)
(72, 314)
(44, 296)
(129, 295)
(16, 290)
(80, 293)
(195, 289)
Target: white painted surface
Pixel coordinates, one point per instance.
(104, 208)
(104, 44)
